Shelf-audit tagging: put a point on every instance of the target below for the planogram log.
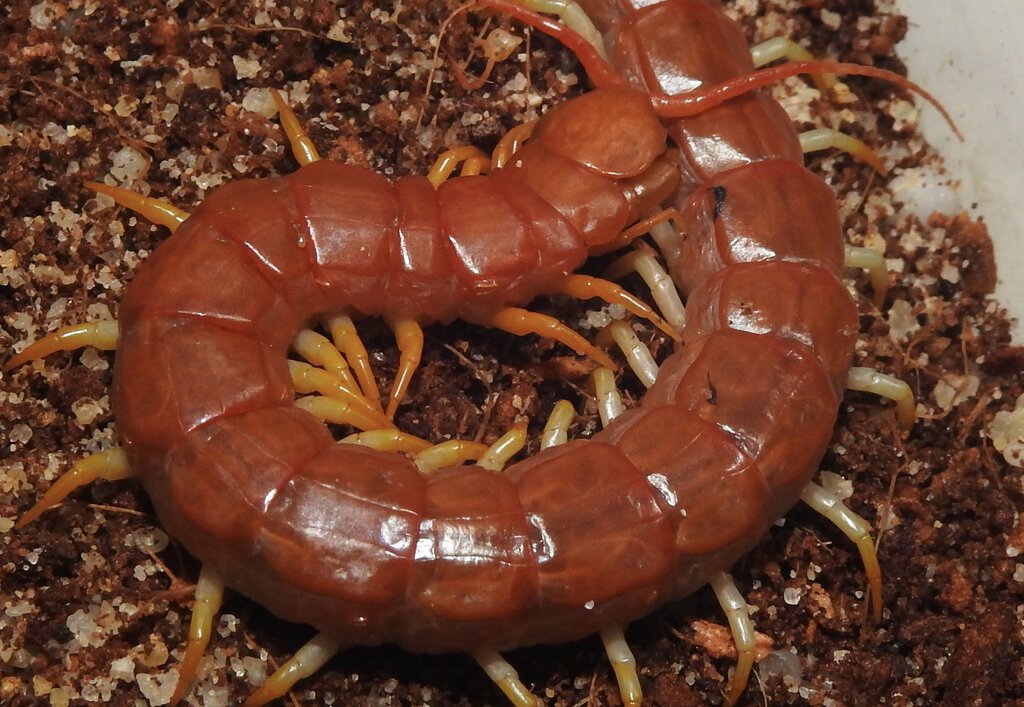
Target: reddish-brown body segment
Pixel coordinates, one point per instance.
(578, 537)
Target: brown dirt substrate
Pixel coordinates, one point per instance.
(90, 614)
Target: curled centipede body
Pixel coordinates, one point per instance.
(464, 559)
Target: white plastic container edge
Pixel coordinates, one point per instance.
(969, 54)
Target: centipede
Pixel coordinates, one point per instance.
(708, 196)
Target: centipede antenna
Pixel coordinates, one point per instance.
(693, 102)
(208, 599)
(302, 146)
(99, 334)
(345, 337)
(162, 213)
(522, 321)
(588, 49)
(111, 464)
(473, 161)
(785, 48)
(638, 356)
(319, 351)
(609, 401)
(504, 448)
(409, 337)
(624, 665)
(505, 677)
(309, 379)
(556, 431)
(387, 441)
(868, 380)
(342, 412)
(829, 139)
(735, 608)
(586, 287)
(873, 262)
(857, 530)
(306, 661)
(450, 453)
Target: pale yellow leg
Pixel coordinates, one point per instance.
(638, 356)
(156, 211)
(309, 379)
(302, 147)
(643, 262)
(573, 16)
(828, 139)
(874, 263)
(521, 322)
(101, 334)
(503, 449)
(624, 665)
(609, 401)
(409, 336)
(556, 431)
(585, 287)
(868, 380)
(735, 608)
(342, 412)
(310, 658)
(450, 453)
(388, 441)
(209, 597)
(857, 530)
(343, 332)
(111, 465)
(784, 48)
(474, 161)
(505, 677)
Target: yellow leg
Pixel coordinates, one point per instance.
(409, 336)
(868, 380)
(388, 441)
(342, 412)
(209, 597)
(735, 608)
(624, 665)
(319, 351)
(474, 161)
(156, 211)
(573, 16)
(874, 263)
(585, 287)
(510, 143)
(827, 139)
(506, 447)
(343, 332)
(309, 379)
(521, 322)
(302, 147)
(609, 400)
(857, 530)
(784, 48)
(310, 658)
(111, 465)
(505, 677)
(450, 453)
(556, 431)
(101, 334)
